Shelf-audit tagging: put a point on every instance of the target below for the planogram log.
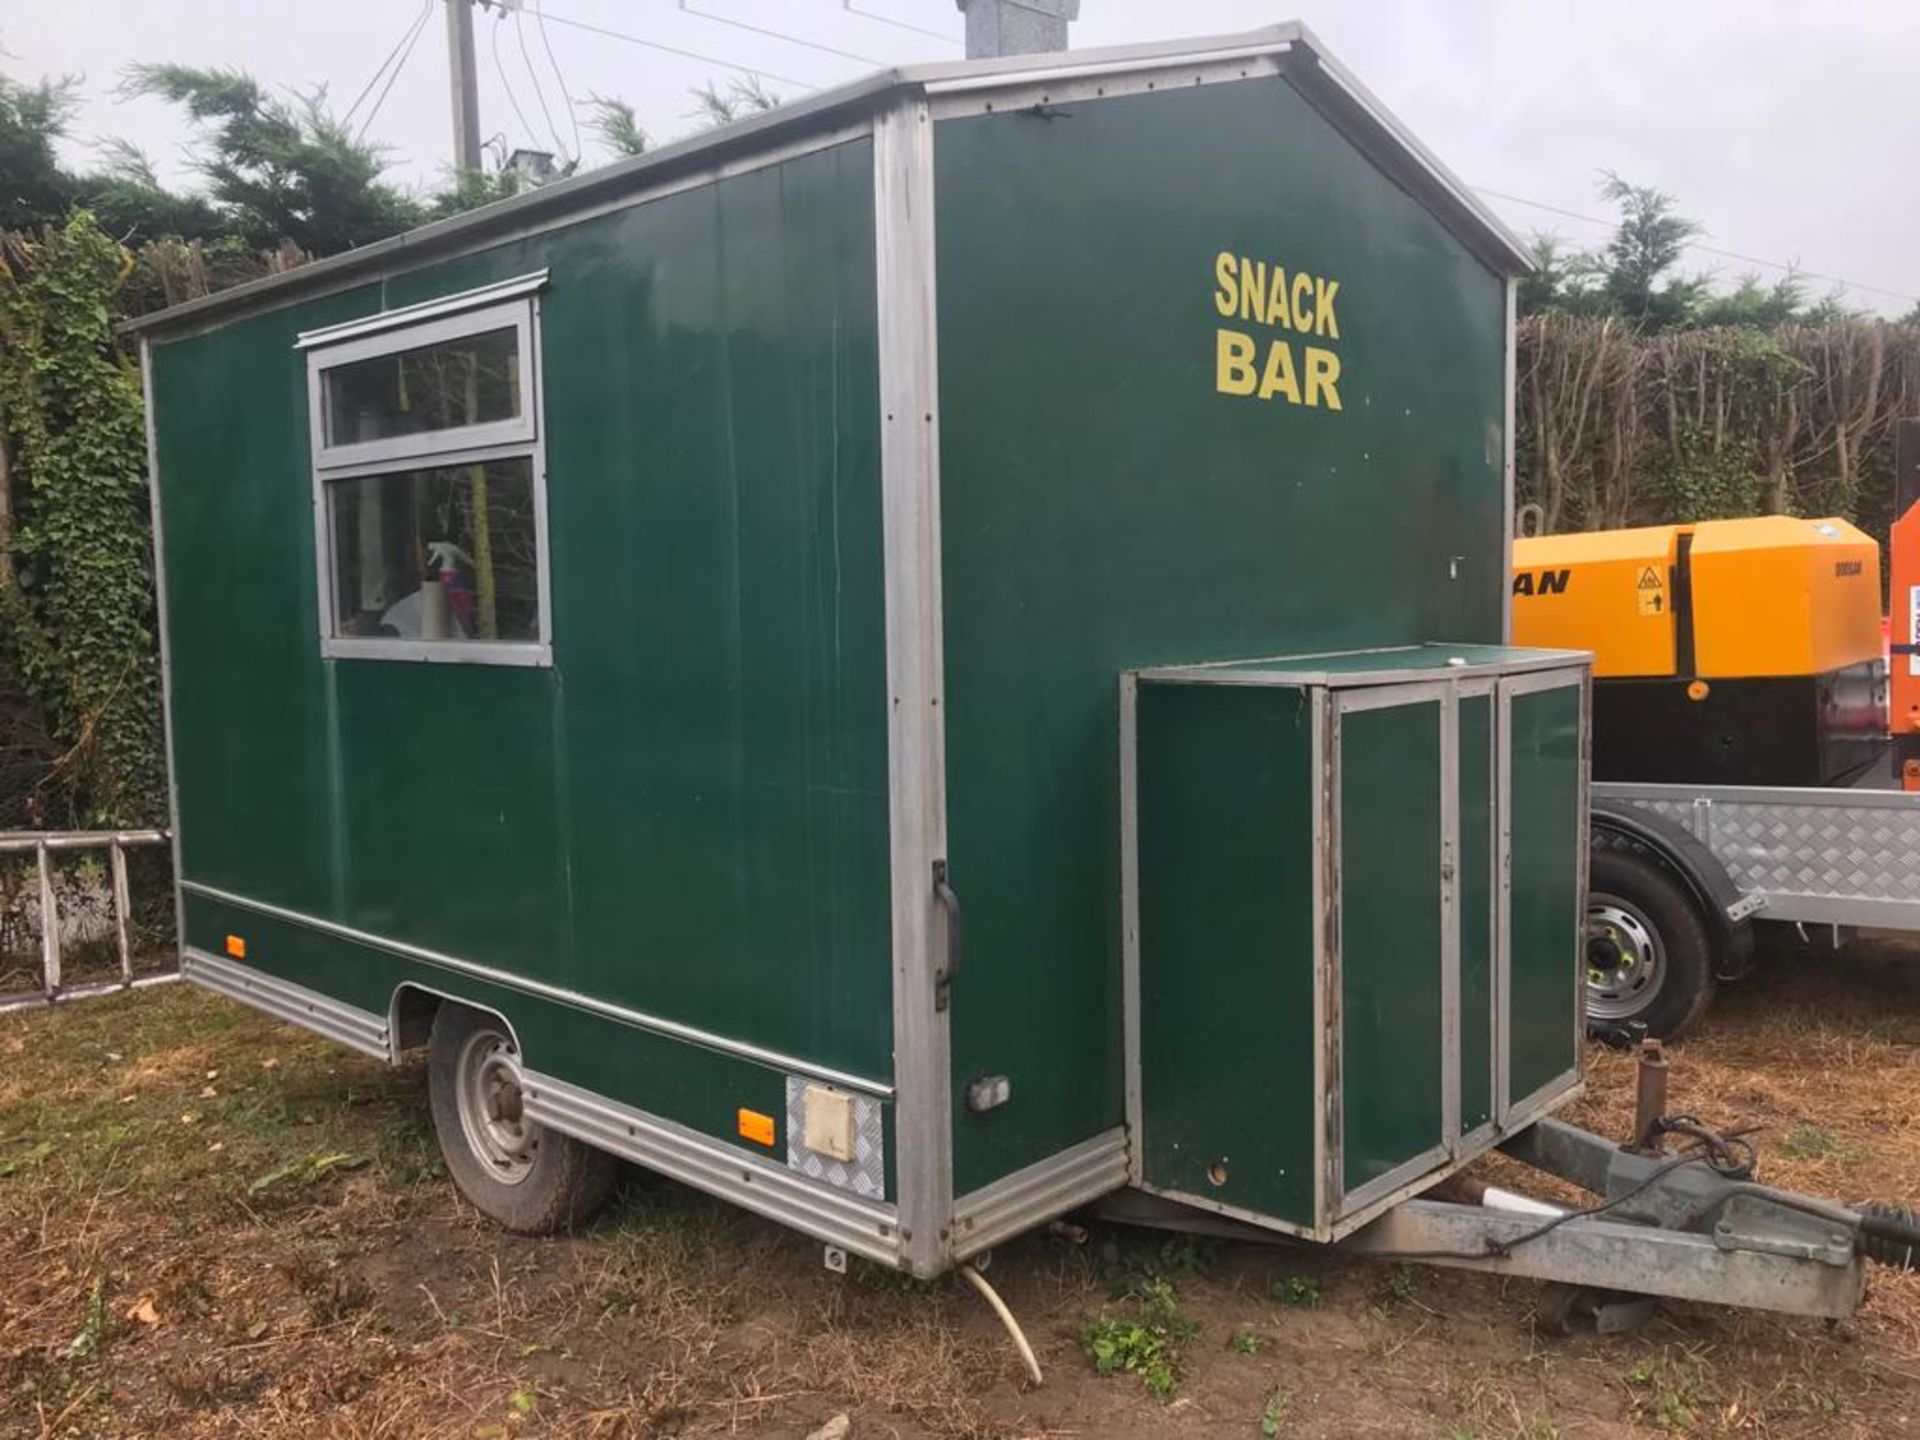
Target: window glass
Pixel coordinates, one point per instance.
(472, 380)
(444, 552)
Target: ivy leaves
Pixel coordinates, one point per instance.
(76, 623)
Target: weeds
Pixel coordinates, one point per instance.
(94, 1331)
(1397, 1288)
(305, 1171)
(1244, 1342)
(1297, 1291)
(1146, 1343)
(1129, 1266)
(1667, 1392)
(1274, 1413)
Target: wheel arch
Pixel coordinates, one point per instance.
(411, 1011)
(1698, 869)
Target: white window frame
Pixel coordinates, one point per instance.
(512, 304)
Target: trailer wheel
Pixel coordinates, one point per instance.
(1649, 961)
(528, 1178)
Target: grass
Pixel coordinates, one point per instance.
(213, 1225)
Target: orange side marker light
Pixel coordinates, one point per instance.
(756, 1127)
(236, 947)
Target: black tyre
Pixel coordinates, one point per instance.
(526, 1177)
(1649, 957)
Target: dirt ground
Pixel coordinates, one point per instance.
(214, 1225)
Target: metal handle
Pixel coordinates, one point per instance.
(950, 902)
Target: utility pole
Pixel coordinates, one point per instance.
(465, 86)
(1017, 27)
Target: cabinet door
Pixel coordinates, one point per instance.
(1395, 944)
(1542, 801)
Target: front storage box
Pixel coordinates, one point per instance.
(1354, 906)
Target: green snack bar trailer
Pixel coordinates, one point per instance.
(613, 637)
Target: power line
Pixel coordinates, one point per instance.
(853, 9)
(682, 53)
(505, 83)
(1840, 280)
(405, 55)
(573, 108)
(404, 42)
(780, 35)
(539, 92)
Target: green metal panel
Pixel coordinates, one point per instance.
(1474, 867)
(687, 814)
(700, 1088)
(1227, 796)
(1104, 506)
(1544, 800)
(1392, 1045)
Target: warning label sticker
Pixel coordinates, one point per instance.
(1652, 591)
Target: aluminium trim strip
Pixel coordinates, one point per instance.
(640, 1020)
(166, 648)
(408, 315)
(1067, 71)
(1130, 924)
(906, 278)
(1509, 462)
(1098, 83)
(1239, 1212)
(1347, 1222)
(284, 1000)
(1031, 1196)
(1414, 1168)
(1333, 1097)
(1808, 796)
(1269, 670)
(1503, 905)
(1450, 1057)
(750, 1181)
(1325, 1004)
(1495, 235)
(1561, 1090)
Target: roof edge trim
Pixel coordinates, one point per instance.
(1327, 81)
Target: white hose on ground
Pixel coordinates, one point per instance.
(992, 1297)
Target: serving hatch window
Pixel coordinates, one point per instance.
(429, 482)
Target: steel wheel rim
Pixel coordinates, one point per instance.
(487, 1090)
(1632, 984)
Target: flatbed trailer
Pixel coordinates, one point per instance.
(1740, 855)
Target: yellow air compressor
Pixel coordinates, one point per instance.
(1726, 652)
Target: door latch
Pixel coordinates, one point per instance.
(950, 903)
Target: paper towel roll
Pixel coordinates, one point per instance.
(436, 615)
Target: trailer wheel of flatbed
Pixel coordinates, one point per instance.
(1649, 956)
(517, 1172)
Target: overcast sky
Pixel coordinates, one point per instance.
(1781, 128)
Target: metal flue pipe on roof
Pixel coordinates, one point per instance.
(1017, 27)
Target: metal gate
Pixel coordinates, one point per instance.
(44, 847)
